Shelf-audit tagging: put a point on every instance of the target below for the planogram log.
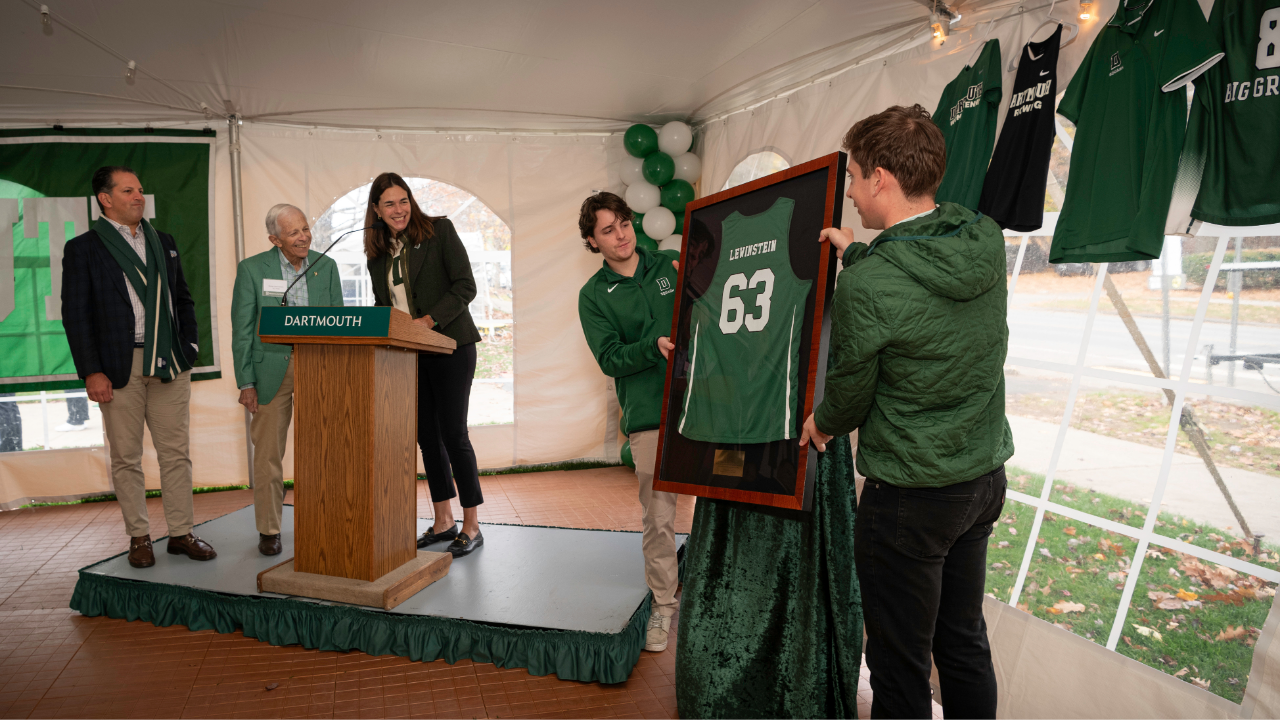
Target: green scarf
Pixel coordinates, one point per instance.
(161, 354)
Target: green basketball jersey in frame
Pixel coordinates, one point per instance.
(745, 336)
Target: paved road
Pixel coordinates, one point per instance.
(1055, 335)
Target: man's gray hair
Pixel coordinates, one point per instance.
(273, 217)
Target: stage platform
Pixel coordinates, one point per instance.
(553, 600)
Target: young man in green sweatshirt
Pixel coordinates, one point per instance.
(919, 337)
(626, 310)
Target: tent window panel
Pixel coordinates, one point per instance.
(488, 242)
(756, 166)
(49, 420)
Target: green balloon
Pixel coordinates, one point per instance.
(675, 195)
(626, 455)
(643, 240)
(659, 168)
(679, 223)
(637, 221)
(640, 140)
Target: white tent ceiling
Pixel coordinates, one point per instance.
(560, 65)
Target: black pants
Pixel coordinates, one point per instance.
(77, 410)
(10, 426)
(444, 392)
(921, 557)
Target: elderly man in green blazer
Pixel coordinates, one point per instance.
(264, 372)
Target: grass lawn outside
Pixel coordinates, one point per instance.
(1192, 619)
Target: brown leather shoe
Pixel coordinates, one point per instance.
(191, 546)
(140, 554)
(269, 544)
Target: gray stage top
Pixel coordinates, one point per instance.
(553, 578)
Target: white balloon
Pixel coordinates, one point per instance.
(688, 167)
(632, 170)
(672, 242)
(643, 197)
(659, 222)
(675, 138)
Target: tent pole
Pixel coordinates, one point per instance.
(237, 209)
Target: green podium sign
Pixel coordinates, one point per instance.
(325, 321)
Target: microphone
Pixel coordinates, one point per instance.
(378, 224)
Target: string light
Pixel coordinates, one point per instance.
(131, 72)
(46, 20)
(1086, 9)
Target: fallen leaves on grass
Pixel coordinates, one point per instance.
(1200, 683)
(1147, 632)
(1165, 601)
(1066, 606)
(1231, 633)
(1181, 672)
(1184, 595)
(1069, 531)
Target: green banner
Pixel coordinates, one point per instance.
(326, 321)
(46, 200)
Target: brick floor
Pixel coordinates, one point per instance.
(56, 663)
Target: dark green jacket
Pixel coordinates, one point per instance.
(919, 335)
(623, 317)
(264, 364)
(443, 285)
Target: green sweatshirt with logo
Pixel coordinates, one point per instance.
(623, 317)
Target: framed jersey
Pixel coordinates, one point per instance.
(750, 354)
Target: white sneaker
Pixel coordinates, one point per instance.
(655, 639)
(68, 427)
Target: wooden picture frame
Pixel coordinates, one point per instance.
(775, 473)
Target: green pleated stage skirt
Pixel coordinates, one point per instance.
(771, 617)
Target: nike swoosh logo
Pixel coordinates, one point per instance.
(1033, 55)
(1156, 33)
(1043, 73)
(612, 288)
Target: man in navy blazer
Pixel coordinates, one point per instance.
(132, 333)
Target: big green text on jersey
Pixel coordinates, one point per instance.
(744, 347)
(1234, 132)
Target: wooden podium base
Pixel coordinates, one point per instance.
(386, 592)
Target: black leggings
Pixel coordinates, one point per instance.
(444, 391)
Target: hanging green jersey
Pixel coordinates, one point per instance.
(966, 115)
(1233, 139)
(745, 335)
(1130, 109)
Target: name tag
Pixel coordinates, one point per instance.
(274, 288)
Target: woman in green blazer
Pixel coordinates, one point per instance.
(419, 265)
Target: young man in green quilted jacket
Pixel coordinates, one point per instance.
(264, 371)
(918, 336)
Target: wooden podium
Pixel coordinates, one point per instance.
(356, 433)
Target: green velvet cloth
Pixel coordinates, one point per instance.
(771, 616)
(570, 655)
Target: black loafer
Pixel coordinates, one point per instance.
(269, 544)
(430, 538)
(463, 545)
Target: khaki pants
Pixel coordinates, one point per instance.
(269, 430)
(165, 409)
(661, 568)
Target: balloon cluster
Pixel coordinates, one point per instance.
(659, 172)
